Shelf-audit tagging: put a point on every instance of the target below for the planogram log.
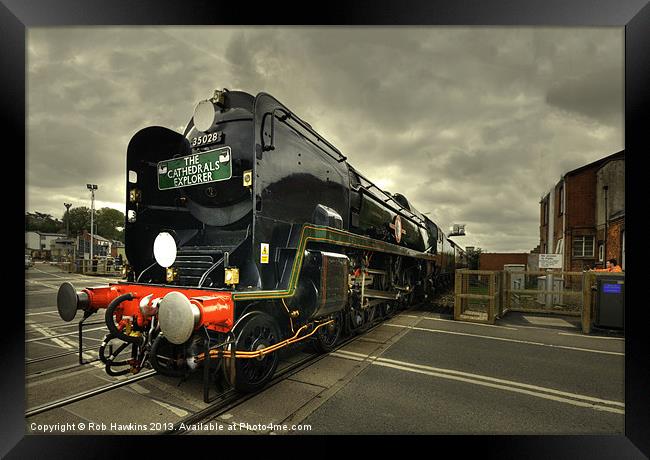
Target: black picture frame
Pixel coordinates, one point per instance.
(16, 16)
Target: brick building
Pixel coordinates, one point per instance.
(496, 260)
(572, 214)
(610, 211)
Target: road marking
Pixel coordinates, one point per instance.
(504, 387)
(48, 273)
(547, 328)
(176, 410)
(37, 339)
(56, 288)
(42, 313)
(526, 342)
(139, 389)
(44, 291)
(46, 333)
(433, 318)
(87, 368)
(58, 347)
(477, 379)
(591, 336)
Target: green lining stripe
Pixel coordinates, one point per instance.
(328, 235)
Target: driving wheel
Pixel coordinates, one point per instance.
(254, 333)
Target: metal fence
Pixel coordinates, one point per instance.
(86, 267)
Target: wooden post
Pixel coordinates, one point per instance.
(458, 290)
(492, 294)
(587, 280)
(506, 288)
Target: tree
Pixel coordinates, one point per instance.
(79, 220)
(41, 222)
(108, 220)
(473, 258)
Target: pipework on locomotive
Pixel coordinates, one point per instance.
(250, 232)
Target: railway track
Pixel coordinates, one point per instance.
(226, 401)
(231, 398)
(86, 394)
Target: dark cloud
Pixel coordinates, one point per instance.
(473, 125)
(576, 94)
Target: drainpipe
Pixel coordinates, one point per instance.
(605, 188)
(564, 231)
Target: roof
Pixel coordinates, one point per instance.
(60, 235)
(613, 156)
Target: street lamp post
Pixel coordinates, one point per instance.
(92, 188)
(67, 218)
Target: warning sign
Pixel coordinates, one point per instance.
(264, 253)
(550, 261)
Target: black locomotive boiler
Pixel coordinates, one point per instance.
(250, 232)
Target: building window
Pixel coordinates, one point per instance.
(583, 246)
(601, 252)
(561, 206)
(558, 248)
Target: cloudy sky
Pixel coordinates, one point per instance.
(473, 125)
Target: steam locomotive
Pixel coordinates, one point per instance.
(250, 232)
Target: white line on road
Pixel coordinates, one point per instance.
(86, 368)
(48, 273)
(591, 336)
(61, 335)
(433, 318)
(504, 387)
(176, 410)
(42, 313)
(49, 286)
(509, 385)
(58, 347)
(46, 333)
(526, 342)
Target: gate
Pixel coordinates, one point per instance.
(477, 295)
(543, 292)
(485, 295)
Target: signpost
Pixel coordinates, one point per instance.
(548, 262)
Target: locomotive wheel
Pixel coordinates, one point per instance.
(328, 336)
(357, 319)
(168, 359)
(370, 316)
(388, 309)
(255, 333)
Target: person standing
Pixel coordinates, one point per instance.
(610, 266)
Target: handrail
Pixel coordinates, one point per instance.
(289, 115)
